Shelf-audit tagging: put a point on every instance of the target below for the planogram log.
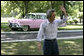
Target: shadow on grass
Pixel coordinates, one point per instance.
(20, 48)
(71, 47)
(5, 28)
(66, 47)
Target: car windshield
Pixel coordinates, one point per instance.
(29, 16)
(35, 16)
(40, 16)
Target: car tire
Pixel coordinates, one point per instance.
(25, 28)
(13, 29)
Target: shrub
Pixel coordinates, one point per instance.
(75, 21)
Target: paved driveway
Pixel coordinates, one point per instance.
(7, 36)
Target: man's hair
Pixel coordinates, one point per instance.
(49, 13)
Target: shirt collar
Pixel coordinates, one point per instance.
(48, 21)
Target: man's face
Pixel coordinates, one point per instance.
(53, 15)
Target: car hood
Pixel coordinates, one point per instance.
(18, 20)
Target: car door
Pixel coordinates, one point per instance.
(38, 20)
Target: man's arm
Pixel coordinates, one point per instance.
(64, 19)
(63, 10)
(40, 33)
(39, 36)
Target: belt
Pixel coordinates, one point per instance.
(50, 39)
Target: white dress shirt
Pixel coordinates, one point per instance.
(49, 30)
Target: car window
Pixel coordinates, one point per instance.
(30, 16)
(40, 16)
(37, 16)
(43, 16)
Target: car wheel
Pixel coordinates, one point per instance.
(13, 29)
(10, 25)
(25, 28)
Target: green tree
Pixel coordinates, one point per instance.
(20, 8)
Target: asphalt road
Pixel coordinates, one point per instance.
(7, 36)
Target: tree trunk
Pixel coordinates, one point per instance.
(51, 4)
(26, 7)
(79, 11)
(23, 13)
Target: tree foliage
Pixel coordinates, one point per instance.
(20, 8)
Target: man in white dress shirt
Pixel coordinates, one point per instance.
(48, 29)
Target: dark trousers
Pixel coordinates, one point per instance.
(50, 47)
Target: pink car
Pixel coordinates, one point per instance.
(31, 20)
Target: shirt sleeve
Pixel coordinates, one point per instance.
(40, 33)
(61, 21)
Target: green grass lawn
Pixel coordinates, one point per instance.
(71, 27)
(5, 27)
(66, 47)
